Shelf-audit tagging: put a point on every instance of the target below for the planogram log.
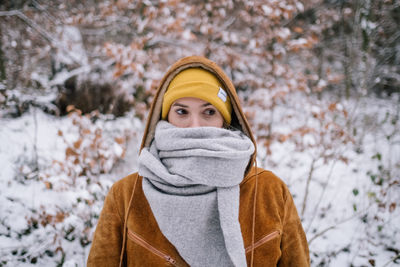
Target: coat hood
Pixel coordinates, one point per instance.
(238, 118)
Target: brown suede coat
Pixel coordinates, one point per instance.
(127, 233)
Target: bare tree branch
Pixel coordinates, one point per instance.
(53, 41)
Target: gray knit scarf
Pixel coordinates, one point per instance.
(191, 181)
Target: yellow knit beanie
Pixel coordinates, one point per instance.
(198, 83)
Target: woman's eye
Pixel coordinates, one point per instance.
(181, 111)
(210, 112)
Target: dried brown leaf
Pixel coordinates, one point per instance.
(119, 140)
(392, 207)
(78, 143)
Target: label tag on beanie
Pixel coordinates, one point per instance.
(222, 94)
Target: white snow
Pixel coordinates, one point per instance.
(267, 10)
(47, 201)
(35, 217)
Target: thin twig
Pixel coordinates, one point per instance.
(392, 260)
(303, 208)
(53, 19)
(36, 27)
(9, 13)
(323, 191)
(334, 226)
(53, 41)
(321, 233)
(35, 149)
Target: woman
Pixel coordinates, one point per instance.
(198, 198)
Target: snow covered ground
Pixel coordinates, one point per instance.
(48, 206)
(55, 173)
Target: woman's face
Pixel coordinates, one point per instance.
(188, 112)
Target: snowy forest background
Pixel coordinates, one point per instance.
(319, 81)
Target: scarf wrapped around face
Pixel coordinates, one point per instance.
(191, 181)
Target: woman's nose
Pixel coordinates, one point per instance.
(195, 121)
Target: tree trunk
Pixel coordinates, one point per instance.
(2, 61)
(347, 55)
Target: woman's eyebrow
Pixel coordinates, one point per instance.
(180, 105)
(206, 104)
